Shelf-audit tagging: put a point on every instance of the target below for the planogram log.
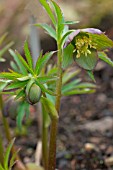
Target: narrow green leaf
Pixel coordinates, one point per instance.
(1, 167)
(3, 50)
(37, 66)
(58, 12)
(68, 56)
(71, 22)
(28, 55)
(22, 69)
(90, 73)
(103, 56)
(12, 160)
(45, 90)
(3, 85)
(14, 67)
(52, 71)
(24, 63)
(16, 74)
(20, 116)
(24, 78)
(79, 91)
(7, 154)
(14, 85)
(48, 10)
(70, 85)
(85, 85)
(60, 19)
(49, 30)
(8, 75)
(9, 92)
(46, 118)
(46, 79)
(41, 62)
(49, 106)
(2, 38)
(19, 94)
(69, 74)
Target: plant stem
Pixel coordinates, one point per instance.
(54, 122)
(45, 147)
(44, 141)
(1, 150)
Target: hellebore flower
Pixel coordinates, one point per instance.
(85, 45)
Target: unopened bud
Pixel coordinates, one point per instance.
(34, 94)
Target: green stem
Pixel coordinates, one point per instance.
(45, 147)
(44, 141)
(1, 150)
(54, 123)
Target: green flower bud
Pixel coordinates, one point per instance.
(34, 94)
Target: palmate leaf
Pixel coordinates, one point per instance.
(87, 62)
(42, 60)
(48, 10)
(22, 69)
(103, 56)
(24, 63)
(28, 55)
(48, 29)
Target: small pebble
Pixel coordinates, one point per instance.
(90, 147)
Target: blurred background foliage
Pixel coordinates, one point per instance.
(15, 18)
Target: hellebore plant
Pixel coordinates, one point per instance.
(48, 85)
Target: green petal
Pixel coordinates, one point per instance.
(101, 41)
(87, 62)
